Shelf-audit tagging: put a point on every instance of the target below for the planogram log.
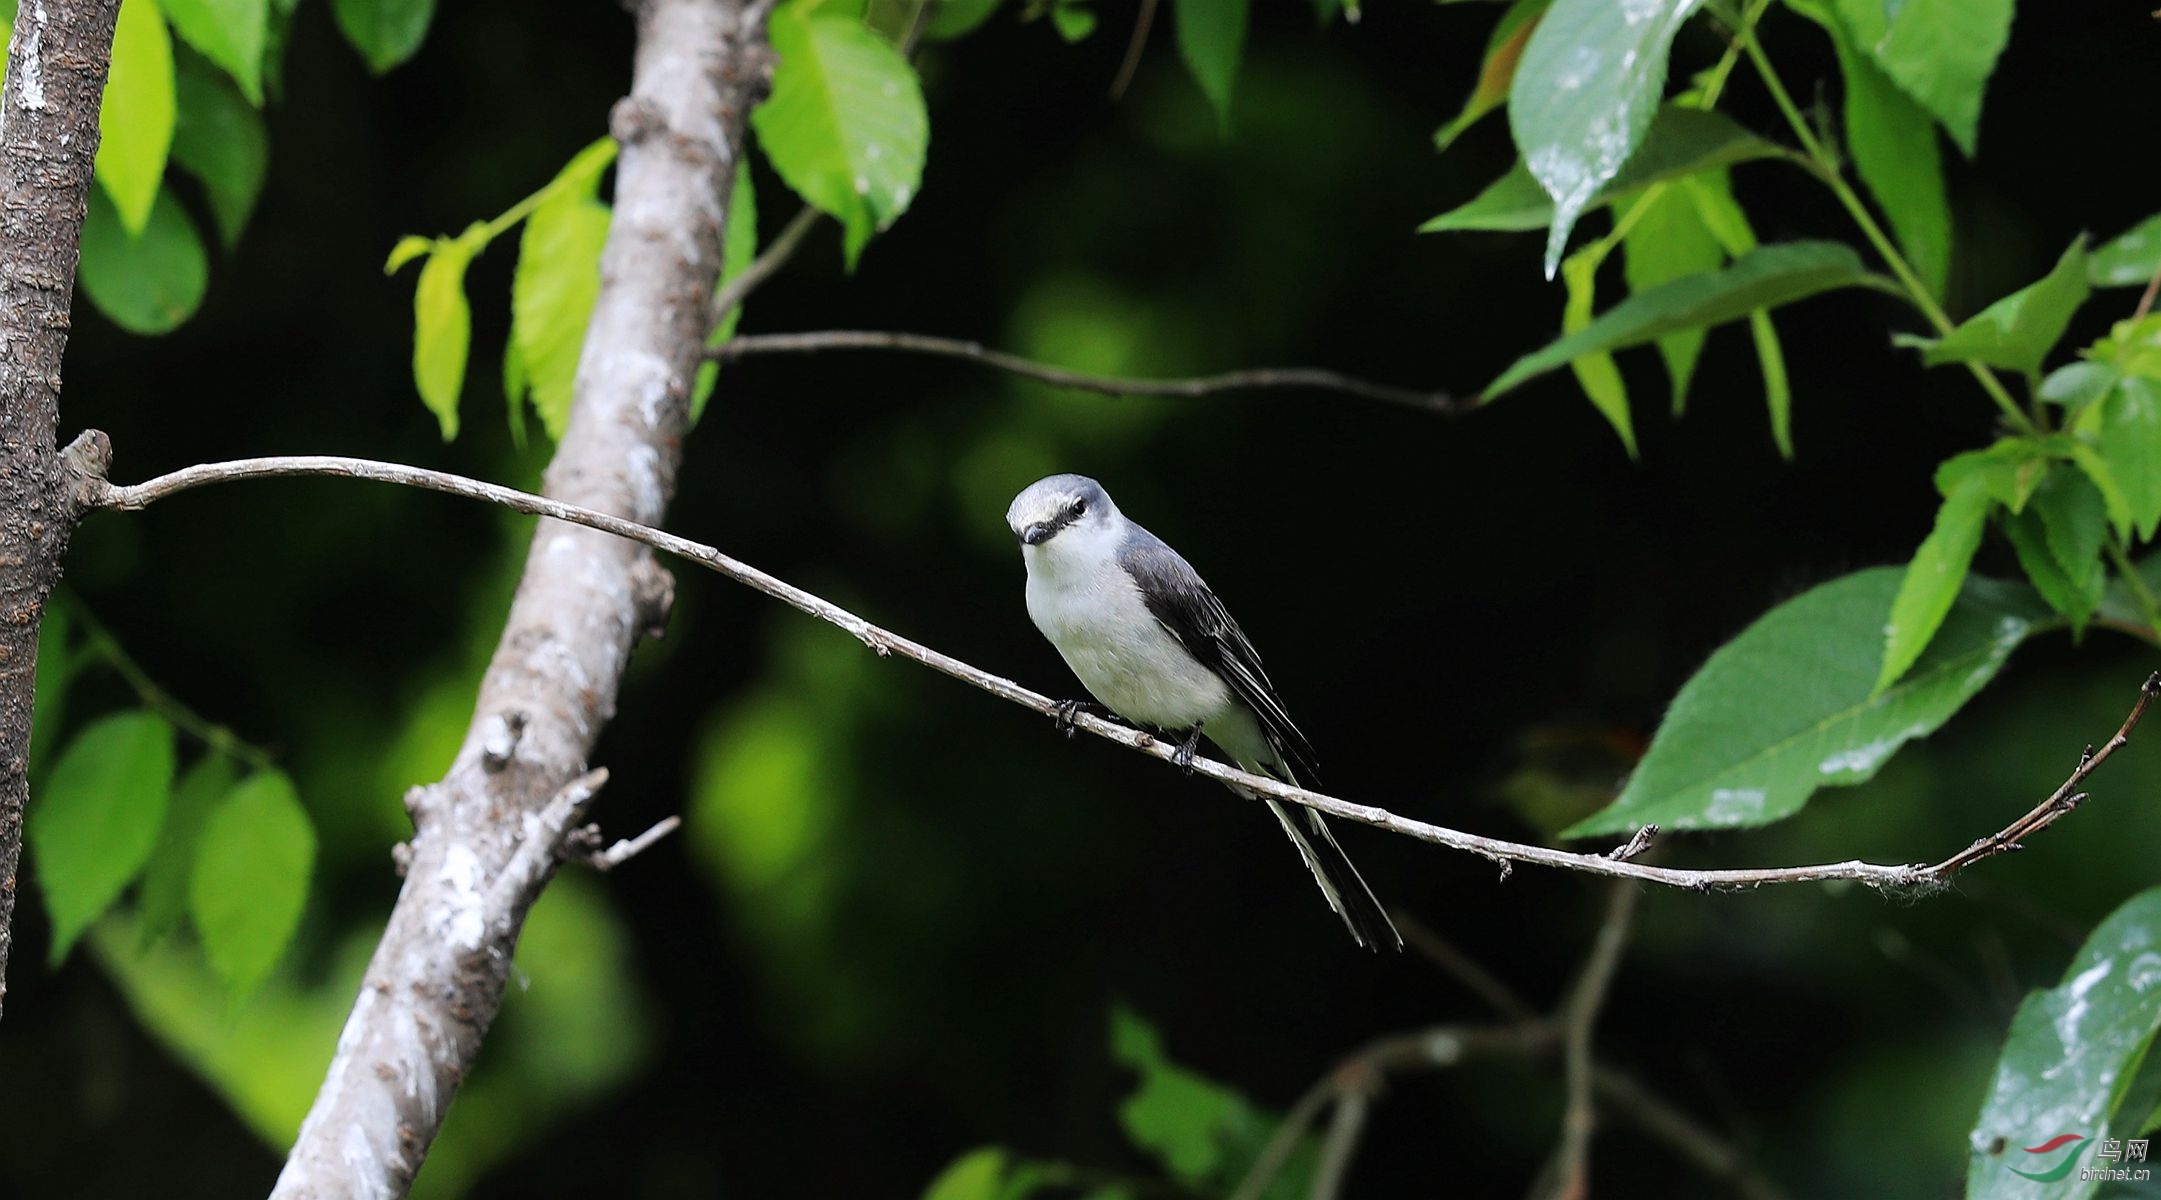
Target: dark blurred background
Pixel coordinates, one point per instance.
(900, 911)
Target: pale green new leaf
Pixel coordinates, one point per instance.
(739, 247)
(443, 325)
(409, 247)
(1789, 706)
(253, 860)
(135, 121)
(979, 1174)
(220, 140)
(2130, 259)
(163, 898)
(2017, 332)
(2066, 1064)
(1497, 70)
(2131, 443)
(1597, 373)
(93, 828)
(229, 33)
(1683, 141)
(1667, 241)
(1764, 278)
(557, 283)
(1940, 52)
(1934, 577)
(1584, 95)
(1212, 40)
(845, 125)
(385, 32)
(148, 283)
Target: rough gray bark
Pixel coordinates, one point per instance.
(490, 832)
(56, 68)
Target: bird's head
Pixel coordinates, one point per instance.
(1064, 510)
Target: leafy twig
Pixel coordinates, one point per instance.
(99, 641)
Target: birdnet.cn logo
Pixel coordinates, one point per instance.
(2109, 1153)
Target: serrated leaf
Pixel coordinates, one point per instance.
(253, 860)
(739, 248)
(1584, 95)
(385, 32)
(163, 898)
(443, 326)
(135, 120)
(1683, 141)
(1212, 40)
(2131, 442)
(845, 125)
(2074, 525)
(1764, 278)
(2104, 477)
(557, 283)
(2017, 332)
(1789, 706)
(93, 828)
(2009, 470)
(148, 283)
(1599, 377)
(2029, 539)
(1940, 52)
(2130, 258)
(2066, 1063)
(1933, 579)
(220, 140)
(1667, 240)
(1497, 69)
(230, 33)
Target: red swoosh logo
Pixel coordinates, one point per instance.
(2055, 1142)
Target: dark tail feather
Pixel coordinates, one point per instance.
(1340, 882)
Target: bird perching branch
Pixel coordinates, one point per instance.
(1614, 865)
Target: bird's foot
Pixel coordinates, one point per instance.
(1070, 710)
(1182, 757)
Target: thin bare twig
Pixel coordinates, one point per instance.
(1466, 970)
(1105, 385)
(628, 848)
(1568, 1176)
(1342, 1144)
(1137, 43)
(1628, 1098)
(2153, 290)
(885, 642)
(771, 259)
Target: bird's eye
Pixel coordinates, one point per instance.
(1079, 507)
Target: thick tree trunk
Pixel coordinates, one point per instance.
(56, 68)
(488, 835)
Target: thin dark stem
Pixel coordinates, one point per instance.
(2153, 292)
(1106, 385)
(762, 268)
(1628, 1098)
(1342, 1144)
(1134, 46)
(218, 738)
(1465, 969)
(1569, 1174)
(885, 642)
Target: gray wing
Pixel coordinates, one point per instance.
(1181, 602)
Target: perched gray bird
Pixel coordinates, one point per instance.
(1155, 646)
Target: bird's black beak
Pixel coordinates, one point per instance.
(1036, 534)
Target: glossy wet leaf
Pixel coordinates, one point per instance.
(2130, 258)
(253, 859)
(1497, 69)
(135, 120)
(1934, 578)
(145, 283)
(1764, 278)
(1682, 141)
(1583, 98)
(230, 33)
(2017, 332)
(557, 282)
(94, 826)
(2066, 1063)
(1212, 40)
(1940, 52)
(1788, 706)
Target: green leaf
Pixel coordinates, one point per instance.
(739, 247)
(409, 247)
(230, 33)
(2073, 520)
(1933, 578)
(220, 140)
(2017, 332)
(1777, 389)
(1504, 49)
(2131, 442)
(2130, 259)
(1205, 1134)
(1683, 141)
(163, 898)
(2071, 1053)
(149, 283)
(951, 19)
(976, 1175)
(385, 32)
(1073, 20)
(1940, 52)
(95, 825)
(443, 325)
(2010, 470)
(1211, 40)
(1789, 707)
(2104, 477)
(557, 283)
(2029, 538)
(1599, 377)
(253, 860)
(1893, 141)
(2076, 385)
(2132, 347)
(135, 121)
(1763, 278)
(1584, 95)
(1666, 241)
(845, 125)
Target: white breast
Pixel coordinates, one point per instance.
(1094, 615)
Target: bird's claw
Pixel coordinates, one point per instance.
(1182, 757)
(1070, 711)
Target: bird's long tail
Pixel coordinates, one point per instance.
(1340, 882)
